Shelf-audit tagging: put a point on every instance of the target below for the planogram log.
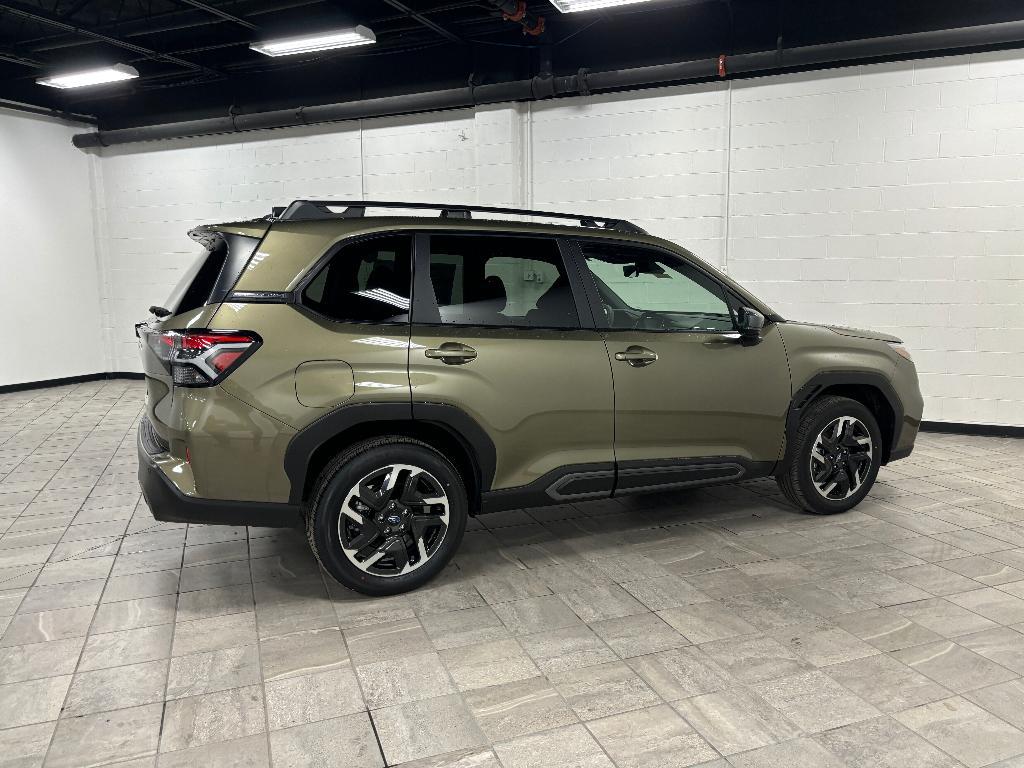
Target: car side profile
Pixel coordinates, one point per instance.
(380, 379)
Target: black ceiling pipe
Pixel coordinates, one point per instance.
(31, 109)
(580, 83)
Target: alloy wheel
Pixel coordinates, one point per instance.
(841, 458)
(393, 520)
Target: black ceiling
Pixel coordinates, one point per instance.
(194, 59)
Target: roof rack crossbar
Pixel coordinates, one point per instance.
(302, 210)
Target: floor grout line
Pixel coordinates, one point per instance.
(517, 545)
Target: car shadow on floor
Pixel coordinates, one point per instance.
(527, 552)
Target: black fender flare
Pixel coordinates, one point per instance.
(459, 424)
(809, 391)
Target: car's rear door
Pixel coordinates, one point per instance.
(501, 330)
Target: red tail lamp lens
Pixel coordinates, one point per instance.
(221, 361)
(202, 358)
(199, 342)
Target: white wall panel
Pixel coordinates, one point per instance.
(887, 196)
(930, 182)
(49, 276)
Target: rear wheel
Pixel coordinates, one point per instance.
(834, 457)
(387, 515)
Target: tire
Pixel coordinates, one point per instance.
(795, 478)
(396, 536)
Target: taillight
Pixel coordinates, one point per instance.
(202, 358)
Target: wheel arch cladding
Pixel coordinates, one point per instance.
(873, 390)
(446, 428)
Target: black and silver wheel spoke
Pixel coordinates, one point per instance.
(369, 554)
(369, 496)
(360, 516)
(407, 493)
(841, 457)
(394, 520)
(363, 541)
(396, 549)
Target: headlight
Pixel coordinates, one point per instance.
(899, 349)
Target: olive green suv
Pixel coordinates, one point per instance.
(381, 378)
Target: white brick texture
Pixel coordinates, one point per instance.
(886, 196)
(912, 225)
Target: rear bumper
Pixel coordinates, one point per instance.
(168, 504)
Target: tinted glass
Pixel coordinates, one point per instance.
(644, 289)
(365, 282)
(213, 274)
(195, 286)
(501, 281)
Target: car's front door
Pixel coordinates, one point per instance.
(497, 333)
(688, 394)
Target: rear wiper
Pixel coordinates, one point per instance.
(159, 311)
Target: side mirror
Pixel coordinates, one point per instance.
(749, 322)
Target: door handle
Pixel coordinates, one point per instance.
(451, 353)
(730, 337)
(637, 356)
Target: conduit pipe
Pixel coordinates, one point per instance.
(581, 83)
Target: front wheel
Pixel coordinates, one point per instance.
(834, 457)
(387, 515)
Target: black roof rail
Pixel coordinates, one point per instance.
(309, 210)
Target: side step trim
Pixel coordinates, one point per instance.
(663, 478)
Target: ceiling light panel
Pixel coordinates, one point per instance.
(87, 77)
(321, 41)
(572, 6)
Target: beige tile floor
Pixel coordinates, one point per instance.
(716, 627)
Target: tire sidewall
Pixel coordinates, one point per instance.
(328, 505)
(820, 420)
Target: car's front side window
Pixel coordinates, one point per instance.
(647, 289)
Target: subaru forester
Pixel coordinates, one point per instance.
(381, 378)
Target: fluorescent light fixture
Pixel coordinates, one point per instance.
(321, 41)
(571, 6)
(88, 77)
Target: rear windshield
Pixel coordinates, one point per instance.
(212, 274)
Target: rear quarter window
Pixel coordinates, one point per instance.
(212, 275)
(367, 281)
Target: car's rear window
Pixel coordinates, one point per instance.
(212, 274)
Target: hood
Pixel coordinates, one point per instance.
(857, 333)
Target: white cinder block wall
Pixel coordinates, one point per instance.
(49, 278)
(887, 196)
(892, 197)
(154, 193)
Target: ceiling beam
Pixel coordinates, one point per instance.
(218, 12)
(398, 5)
(67, 14)
(44, 17)
(6, 54)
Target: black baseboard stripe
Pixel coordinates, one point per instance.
(70, 380)
(983, 430)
